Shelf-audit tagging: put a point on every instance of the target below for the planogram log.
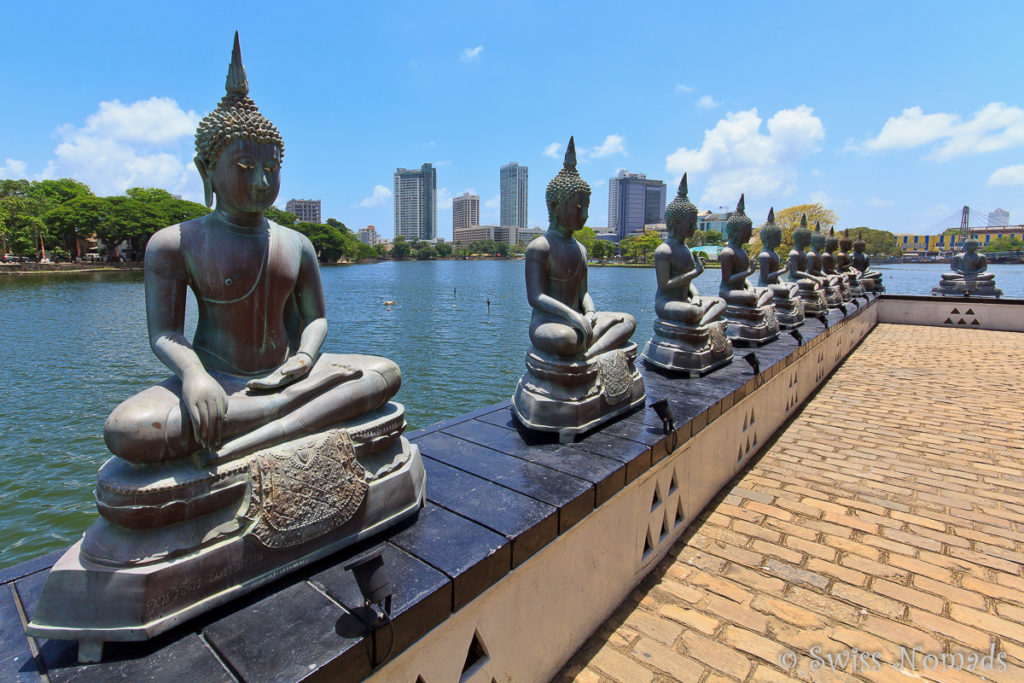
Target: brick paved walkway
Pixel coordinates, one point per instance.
(889, 514)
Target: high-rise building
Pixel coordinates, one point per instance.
(465, 211)
(463, 237)
(514, 182)
(307, 210)
(999, 218)
(416, 203)
(634, 201)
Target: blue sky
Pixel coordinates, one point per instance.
(892, 114)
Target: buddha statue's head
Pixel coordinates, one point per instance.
(568, 196)
(770, 233)
(971, 245)
(802, 235)
(681, 214)
(817, 238)
(860, 245)
(238, 151)
(831, 242)
(846, 242)
(739, 227)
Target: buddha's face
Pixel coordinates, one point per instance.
(247, 177)
(740, 234)
(573, 212)
(682, 228)
(771, 238)
(971, 246)
(801, 240)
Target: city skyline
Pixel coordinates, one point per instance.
(514, 181)
(896, 139)
(415, 203)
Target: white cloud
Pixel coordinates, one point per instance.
(1009, 175)
(939, 210)
(822, 197)
(444, 199)
(441, 164)
(736, 157)
(992, 128)
(380, 197)
(13, 169)
(878, 203)
(471, 54)
(145, 143)
(494, 202)
(553, 149)
(706, 102)
(680, 88)
(613, 144)
(431, 144)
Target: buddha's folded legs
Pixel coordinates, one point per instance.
(154, 425)
(611, 330)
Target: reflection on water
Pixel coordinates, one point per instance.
(75, 345)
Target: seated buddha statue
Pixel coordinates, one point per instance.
(844, 264)
(830, 283)
(812, 289)
(968, 276)
(830, 265)
(749, 310)
(580, 368)
(789, 308)
(688, 335)
(260, 453)
(870, 279)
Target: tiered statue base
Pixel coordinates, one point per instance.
(178, 539)
(752, 326)
(814, 302)
(572, 396)
(856, 288)
(844, 290)
(871, 284)
(967, 287)
(693, 351)
(833, 299)
(789, 311)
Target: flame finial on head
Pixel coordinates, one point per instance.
(770, 233)
(738, 220)
(566, 183)
(237, 83)
(680, 208)
(236, 118)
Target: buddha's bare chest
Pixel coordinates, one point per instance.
(223, 271)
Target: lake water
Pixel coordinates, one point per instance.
(74, 346)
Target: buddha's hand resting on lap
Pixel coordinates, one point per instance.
(584, 324)
(292, 370)
(207, 405)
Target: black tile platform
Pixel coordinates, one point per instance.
(496, 493)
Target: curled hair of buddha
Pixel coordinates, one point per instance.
(566, 183)
(235, 118)
(860, 242)
(802, 235)
(817, 237)
(681, 207)
(846, 242)
(770, 232)
(831, 242)
(973, 241)
(738, 221)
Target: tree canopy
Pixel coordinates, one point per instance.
(1005, 243)
(789, 220)
(639, 247)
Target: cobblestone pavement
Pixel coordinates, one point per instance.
(888, 516)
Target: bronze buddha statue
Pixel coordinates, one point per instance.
(580, 368)
(260, 453)
(689, 335)
(812, 290)
(749, 311)
(789, 307)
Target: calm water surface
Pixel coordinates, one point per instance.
(74, 346)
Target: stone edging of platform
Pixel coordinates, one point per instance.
(508, 511)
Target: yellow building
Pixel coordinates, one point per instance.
(940, 244)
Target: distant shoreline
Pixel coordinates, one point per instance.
(37, 268)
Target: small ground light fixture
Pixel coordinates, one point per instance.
(855, 302)
(664, 411)
(754, 362)
(795, 334)
(842, 307)
(372, 578)
(824, 320)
